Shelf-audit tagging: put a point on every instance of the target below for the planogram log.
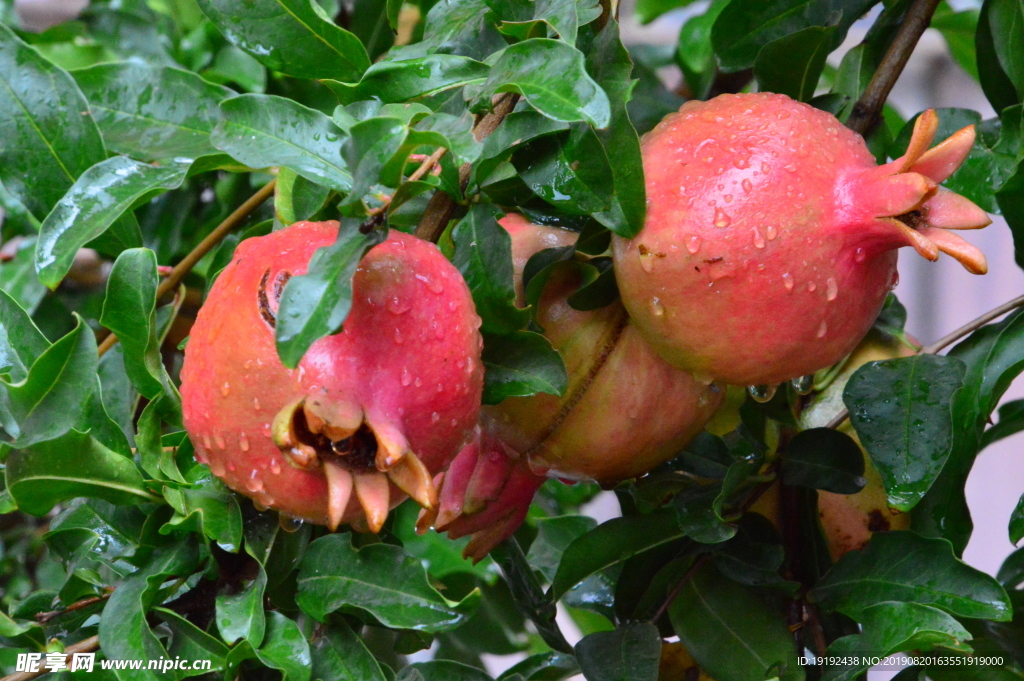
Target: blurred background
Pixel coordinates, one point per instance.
(939, 297)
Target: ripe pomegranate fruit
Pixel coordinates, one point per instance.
(849, 520)
(771, 235)
(370, 413)
(625, 411)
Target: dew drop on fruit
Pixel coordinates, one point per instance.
(406, 378)
(206, 442)
(693, 244)
(771, 231)
(217, 469)
(254, 484)
(275, 467)
(243, 442)
(803, 385)
(822, 330)
(765, 168)
(647, 262)
(220, 442)
(439, 330)
(762, 393)
(859, 255)
(418, 382)
(256, 403)
(894, 280)
(398, 306)
(741, 162)
(225, 389)
(787, 281)
(722, 219)
(728, 198)
(258, 506)
(748, 186)
(811, 286)
(791, 168)
(758, 239)
(289, 524)
(435, 417)
(657, 308)
(398, 336)
(831, 289)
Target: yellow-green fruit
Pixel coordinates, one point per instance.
(678, 665)
(849, 520)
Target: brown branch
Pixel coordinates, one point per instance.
(88, 645)
(867, 112)
(205, 246)
(442, 206)
(44, 617)
(947, 340)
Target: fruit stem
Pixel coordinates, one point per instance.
(867, 111)
(947, 340)
(442, 206)
(179, 271)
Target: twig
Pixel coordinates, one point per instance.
(947, 340)
(442, 206)
(44, 617)
(205, 246)
(84, 646)
(867, 111)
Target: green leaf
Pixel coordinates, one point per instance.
(550, 666)
(825, 459)
(611, 543)
(152, 112)
(372, 22)
(695, 54)
(483, 254)
(206, 506)
(129, 311)
(1000, 89)
(904, 566)
(22, 341)
(295, 37)
(379, 579)
(285, 648)
(901, 409)
(316, 304)
(72, 465)
(893, 627)
(18, 275)
(570, 171)
(551, 77)
(441, 670)
(462, 27)
(731, 633)
(959, 30)
(412, 79)
(792, 65)
(649, 10)
(518, 128)
(52, 397)
(48, 143)
(520, 364)
(1011, 422)
(377, 151)
(265, 130)
(123, 630)
(631, 652)
(553, 536)
(99, 197)
(1005, 19)
(296, 198)
(191, 644)
(339, 655)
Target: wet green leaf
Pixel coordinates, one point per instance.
(631, 652)
(408, 80)
(792, 65)
(520, 364)
(339, 655)
(825, 459)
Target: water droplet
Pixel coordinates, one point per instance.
(217, 469)
(822, 330)
(748, 186)
(657, 308)
(693, 243)
(791, 168)
(758, 239)
(220, 442)
(225, 389)
(765, 168)
(206, 441)
(275, 467)
(741, 162)
(803, 385)
(438, 330)
(859, 255)
(811, 286)
(722, 219)
(787, 281)
(435, 417)
(762, 393)
(451, 306)
(728, 198)
(894, 280)
(254, 484)
(289, 524)
(830, 157)
(406, 377)
(399, 339)
(266, 429)
(771, 231)
(256, 403)
(243, 442)
(231, 466)
(831, 289)
(418, 382)
(259, 506)
(647, 262)
(398, 306)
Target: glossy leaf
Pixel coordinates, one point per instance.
(631, 652)
(1005, 18)
(295, 37)
(189, 643)
(610, 543)
(43, 474)
(901, 411)
(296, 198)
(825, 459)
(316, 304)
(551, 76)
(206, 506)
(441, 670)
(265, 130)
(152, 112)
(22, 341)
(999, 87)
(893, 627)
(52, 397)
(649, 10)
(1011, 421)
(18, 275)
(730, 632)
(521, 364)
(549, 666)
(460, 27)
(100, 196)
(553, 536)
(379, 579)
(792, 65)
(339, 655)
(904, 566)
(285, 648)
(404, 81)
(48, 143)
(517, 129)
(695, 54)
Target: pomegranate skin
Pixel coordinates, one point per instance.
(405, 369)
(771, 235)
